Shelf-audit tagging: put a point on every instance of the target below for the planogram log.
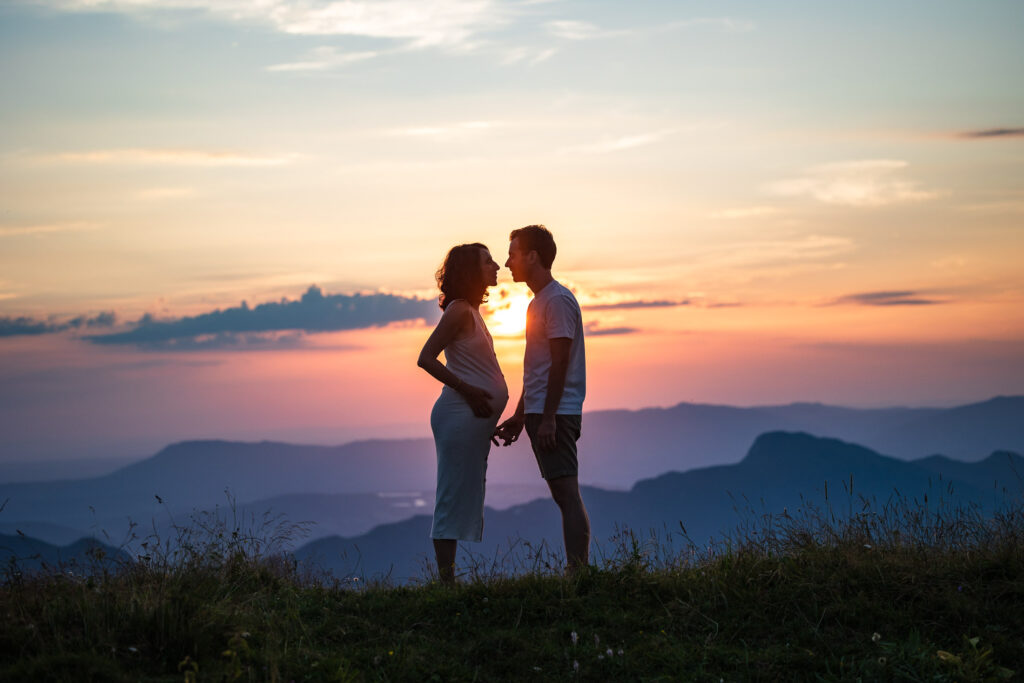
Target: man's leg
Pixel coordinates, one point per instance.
(575, 521)
(444, 551)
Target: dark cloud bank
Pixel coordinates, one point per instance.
(15, 327)
(276, 324)
(637, 304)
(994, 133)
(896, 298)
(259, 327)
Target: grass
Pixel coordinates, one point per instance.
(903, 593)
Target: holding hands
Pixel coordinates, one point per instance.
(509, 430)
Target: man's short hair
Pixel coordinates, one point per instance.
(536, 238)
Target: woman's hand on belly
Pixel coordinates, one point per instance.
(478, 399)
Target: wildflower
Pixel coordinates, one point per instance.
(390, 652)
(609, 652)
(575, 666)
(573, 637)
(875, 637)
(620, 651)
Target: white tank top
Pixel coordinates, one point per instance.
(472, 359)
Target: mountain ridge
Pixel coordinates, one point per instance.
(836, 477)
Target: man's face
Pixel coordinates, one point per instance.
(516, 262)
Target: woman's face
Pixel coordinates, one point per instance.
(489, 268)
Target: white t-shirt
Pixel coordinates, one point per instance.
(552, 314)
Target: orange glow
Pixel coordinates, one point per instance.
(505, 314)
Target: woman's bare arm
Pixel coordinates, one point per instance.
(454, 321)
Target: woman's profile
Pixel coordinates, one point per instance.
(471, 401)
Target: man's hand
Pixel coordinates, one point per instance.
(546, 433)
(478, 400)
(509, 430)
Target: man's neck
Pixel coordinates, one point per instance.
(539, 281)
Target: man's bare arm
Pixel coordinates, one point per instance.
(560, 348)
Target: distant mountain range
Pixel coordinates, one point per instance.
(340, 487)
(82, 556)
(781, 471)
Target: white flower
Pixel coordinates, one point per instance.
(573, 637)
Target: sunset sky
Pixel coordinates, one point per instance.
(755, 203)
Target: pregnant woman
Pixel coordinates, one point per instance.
(473, 397)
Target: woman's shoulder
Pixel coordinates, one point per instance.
(460, 312)
(458, 307)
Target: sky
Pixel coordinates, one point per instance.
(221, 218)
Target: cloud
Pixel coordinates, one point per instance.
(25, 326)
(418, 23)
(326, 58)
(229, 341)
(594, 329)
(528, 55)
(622, 143)
(577, 30)
(864, 183)
(894, 298)
(155, 194)
(169, 157)
(725, 24)
(569, 29)
(448, 131)
(314, 312)
(993, 133)
(44, 229)
(745, 212)
(636, 304)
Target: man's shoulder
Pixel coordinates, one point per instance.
(560, 291)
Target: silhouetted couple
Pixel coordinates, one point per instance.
(465, 417)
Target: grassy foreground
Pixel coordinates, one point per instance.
(866, 599)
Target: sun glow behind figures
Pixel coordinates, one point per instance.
(506, 311)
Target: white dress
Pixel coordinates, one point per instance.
(463, 440)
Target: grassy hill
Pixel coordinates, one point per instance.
(895, 594)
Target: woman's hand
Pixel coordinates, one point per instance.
(477, 398)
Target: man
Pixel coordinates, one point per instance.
(554, 384)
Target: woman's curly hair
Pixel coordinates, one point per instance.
(460, 276)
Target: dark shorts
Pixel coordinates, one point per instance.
(560, 461)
